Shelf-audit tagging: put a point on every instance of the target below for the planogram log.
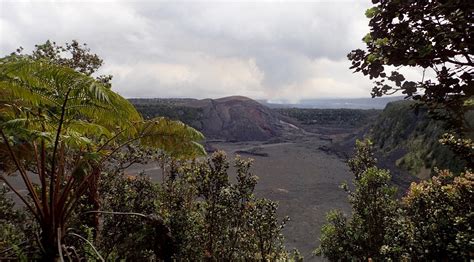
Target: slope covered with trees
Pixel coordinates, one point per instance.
(412, 137)
(348, 118)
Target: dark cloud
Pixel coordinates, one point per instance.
(274, 50)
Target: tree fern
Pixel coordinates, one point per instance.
(70, 124)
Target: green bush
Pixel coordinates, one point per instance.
(363, 235)
(16, 229)
(433, 222)
(440, 213)
(214, 219)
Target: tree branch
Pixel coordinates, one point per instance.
(53, 163)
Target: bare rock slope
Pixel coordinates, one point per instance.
(234, 118)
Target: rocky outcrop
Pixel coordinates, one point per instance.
(234, 118)
(240, 119)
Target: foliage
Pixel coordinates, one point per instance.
(214, 219)
(62, 126)
(461, 147)
(435, 36)
(132, 230)
(158, 107)
(364, 234)
(73, 55)
(14, 231)
(194, 213)
(432, 222)
(336, 238)
(439, 213)
(77, 135)
(363, 158)
(373, 207)
(413, 137)
(432, 35)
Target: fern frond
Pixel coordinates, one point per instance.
(174, 137)
(34, 92)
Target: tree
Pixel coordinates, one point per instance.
(132, 229)
(439, 214)
(363, 158)
(63, 126)
(373, 202)
(213, 219)
(202, 215)
(74, 55)
(433, 221)
(435, 36)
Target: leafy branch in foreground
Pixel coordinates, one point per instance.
(214, 219)
(431, 222)
(195, 213)
(434, 36)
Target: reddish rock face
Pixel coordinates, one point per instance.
(238, 118)
(234, 118)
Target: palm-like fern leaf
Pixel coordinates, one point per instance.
(174, 137)
(42, 84)
(64, 125)
(36, 93)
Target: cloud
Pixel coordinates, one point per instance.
(199, 76)
(319, 82)
(272, 50)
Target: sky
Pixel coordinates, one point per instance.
(279, 51)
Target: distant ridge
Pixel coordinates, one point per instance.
(337, 103)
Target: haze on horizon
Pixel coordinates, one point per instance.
(279, 51)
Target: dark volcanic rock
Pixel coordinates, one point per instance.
(254, 151)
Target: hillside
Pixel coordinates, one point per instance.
(233, 118)
(410, 138)
(406, 139)
(333, 117)
(303, 171)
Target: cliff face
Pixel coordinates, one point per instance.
(233, 118)
(238, 118)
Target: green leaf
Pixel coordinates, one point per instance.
(371, 58)
(367, 38)
(381, 41)
(371, 12)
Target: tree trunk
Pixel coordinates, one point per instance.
(49, 242)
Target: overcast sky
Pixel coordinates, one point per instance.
(266, 50)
